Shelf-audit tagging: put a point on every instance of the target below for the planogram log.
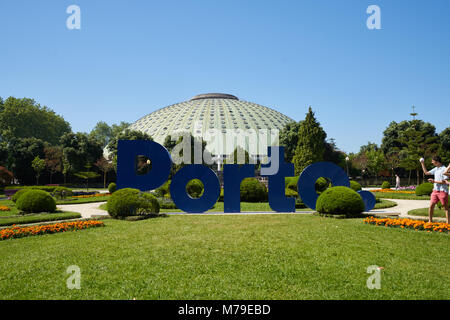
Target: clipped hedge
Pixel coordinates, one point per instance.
(62, 192)
(194, 188)
(291, 183)
(112, 187)
(48, 189)
(35, 201)
(424, 189)
(385, 185)
(132, 202)
(253, 191)
(322, 184)
(340, 201)
(355, 185)
(18, 194)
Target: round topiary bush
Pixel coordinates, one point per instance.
(35, 201)
(385, 185)
(131, 202)
(340, 201)
(355, 185)
(322, 184)
(18, 194)
(112, 187)
(291, 183)
(424, 189)
(62, 192)
(253, 191)
(194, 188)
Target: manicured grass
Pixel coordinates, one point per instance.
(12, 205)
(424, 212)
(82, 200)
(39, 217)
(393, 195)
(228, 257)
(245, 206)
(385, 204)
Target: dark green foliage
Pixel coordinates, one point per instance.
(62, 192)
(194, 188)
(24, 118)
(127, 134)
(322, 184)
(289, 139)
(166, 203)
(79, 149)
(112, 187)
(48, 189)
(22, 153)
(355, 185)
(311, 143)
(253, 191)
(164, 190)
(385, 185)
(18, 194)
(34, 201)
(424, 189)
(340, 201)
(131, 202)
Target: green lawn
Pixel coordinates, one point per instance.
(392, 195)
(262, 206)
(38, 217)
(228, 257)
(424, 212)
(12, 205)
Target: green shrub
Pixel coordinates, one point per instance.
(165, 203)
(355, 185)
(253, 191)
(385, 185)
(221, 195)
(290, 193)
(194, 188)
(164, 190)
(34, 201)
(62, 192)
(291, 183)
(112, 187)
(340, 201)
(322, 184)
(18, 194)
(424, 189)
(48, 189)
(131, 202)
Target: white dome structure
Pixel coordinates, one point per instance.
(209, 112)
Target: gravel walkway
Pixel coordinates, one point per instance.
(87, 210)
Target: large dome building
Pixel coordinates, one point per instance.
(206, 112)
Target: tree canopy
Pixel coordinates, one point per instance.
(24, 118)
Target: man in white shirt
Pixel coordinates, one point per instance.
(440, 189)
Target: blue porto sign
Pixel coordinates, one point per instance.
(276, 171)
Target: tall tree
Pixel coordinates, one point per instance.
(38, 165)
(21, 154)
(104, 166)
(444, 145)
(375, 162)
(102, 132)
(79, 148)
(53, 160)
(24, 118)
(289, 139)
(311, 143)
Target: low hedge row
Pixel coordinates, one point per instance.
(41, 217)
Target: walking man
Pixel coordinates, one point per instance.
(397, 182)
(440, 189)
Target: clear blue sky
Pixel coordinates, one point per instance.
(133, 57)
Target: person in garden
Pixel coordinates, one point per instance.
(397, 182)
(440, 188)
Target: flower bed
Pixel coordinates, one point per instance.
(5, 208)
(393, 191)
(409, 223)
(19, 232)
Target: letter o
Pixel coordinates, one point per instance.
(307, 180)
(211, 191)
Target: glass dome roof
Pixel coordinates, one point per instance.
(208, 112)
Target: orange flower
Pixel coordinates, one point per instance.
(409, 223)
